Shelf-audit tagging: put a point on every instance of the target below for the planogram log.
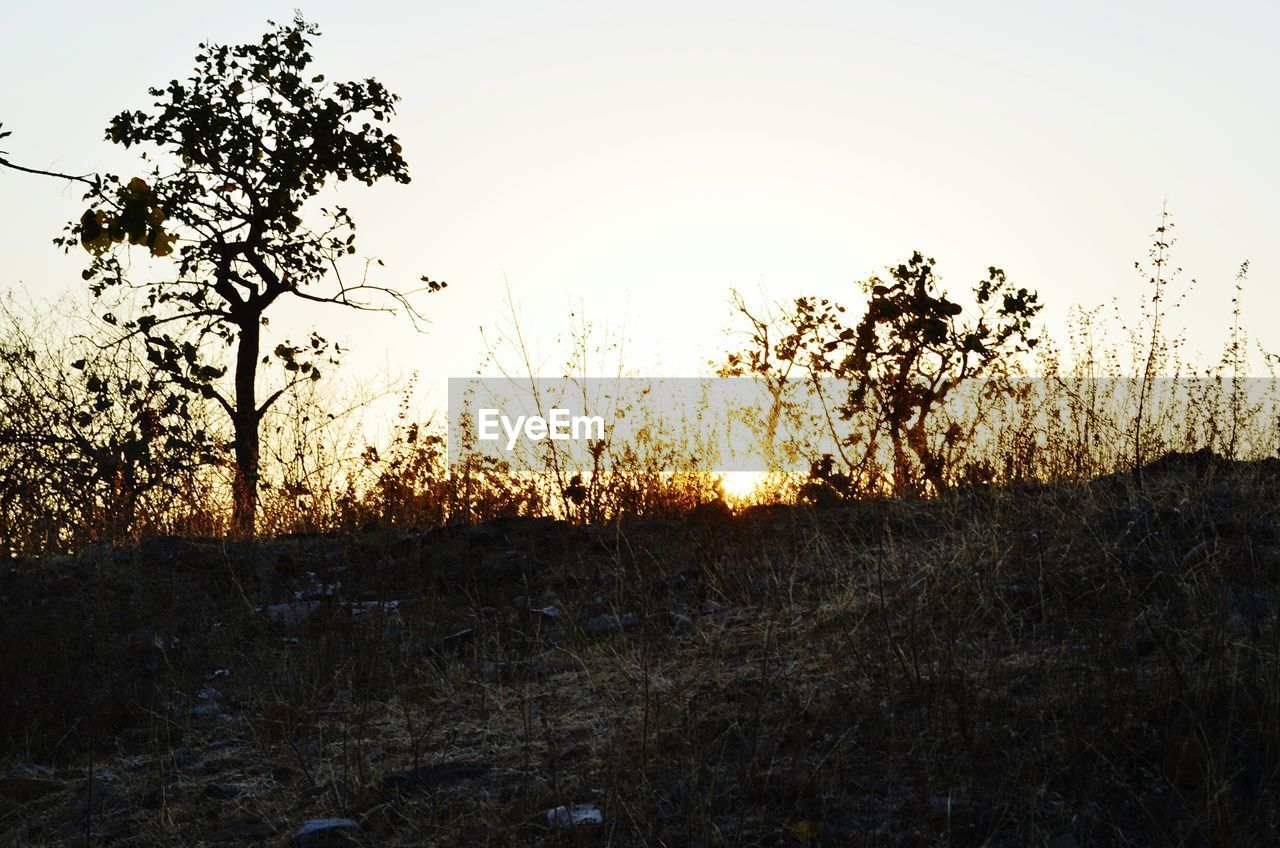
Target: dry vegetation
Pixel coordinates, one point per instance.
(1002, 666)
(1029, 596)
(1037, 642)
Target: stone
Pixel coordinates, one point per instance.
(545, 612)
(564, 817)
(326, 833)
(185, 757)
(209, 711)
(608, 623)
(221, 792)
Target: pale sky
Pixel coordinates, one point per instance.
(638, 161)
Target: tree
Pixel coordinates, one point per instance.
(236, 154)
(907, 354)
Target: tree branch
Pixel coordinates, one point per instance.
(41, 173)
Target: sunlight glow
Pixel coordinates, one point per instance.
(740, 486)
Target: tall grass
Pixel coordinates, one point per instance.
(78, 466)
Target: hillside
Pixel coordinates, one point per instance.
(1033, 665)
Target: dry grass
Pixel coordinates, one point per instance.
(1001, 667)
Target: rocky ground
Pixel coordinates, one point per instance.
(1066, 666)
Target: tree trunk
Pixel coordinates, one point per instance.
(245, 423)
(930, 463)
(902, 486)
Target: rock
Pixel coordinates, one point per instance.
(209, 711)
(608, 623)
(326, 833)
(1064, 840)
(20, 787)
(545, 612)
(221, 792)
(247, 831)
(564, 817)
(185, 757)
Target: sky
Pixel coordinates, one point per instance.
(633, 163)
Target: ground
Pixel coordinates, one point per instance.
(1065, 665)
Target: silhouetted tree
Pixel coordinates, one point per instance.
(902, 360)
(236, 153)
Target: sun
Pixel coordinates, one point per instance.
(740, 485)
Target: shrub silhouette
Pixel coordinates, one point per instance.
(907, 354)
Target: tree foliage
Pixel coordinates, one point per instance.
(235, 155)
(910, 350)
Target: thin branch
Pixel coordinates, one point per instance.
(41, 173)
(266, 404)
